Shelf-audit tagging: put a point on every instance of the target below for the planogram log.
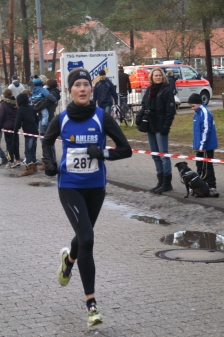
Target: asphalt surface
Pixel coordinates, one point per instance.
(139, 293)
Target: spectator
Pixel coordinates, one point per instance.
(159, 105)
(204, 141)
(27, 119)
(16, 87)
(124, 84)
(82, 177)
(51, 85)
(38, 95)
(172, 81)
(8, 112)
(103, 92)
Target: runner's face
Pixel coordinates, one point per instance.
(81, 91)
(157, 77)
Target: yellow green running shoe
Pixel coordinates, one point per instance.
(94, 315)
(64, 272)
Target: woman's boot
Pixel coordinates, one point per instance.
(35, 166)
(160, 182)
(166, 185)
(28, 170)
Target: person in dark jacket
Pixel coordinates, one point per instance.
(82, 177)
(159, 106)
(27, 119)
(172, 81)
(103, 92)
(8, 111)
(124, 84)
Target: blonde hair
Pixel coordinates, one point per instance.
(43, 79)
(164, 80)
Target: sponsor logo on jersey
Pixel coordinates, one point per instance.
(82, 139)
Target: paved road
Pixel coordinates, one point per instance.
(140, 295)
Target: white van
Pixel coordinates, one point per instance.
(188, 82)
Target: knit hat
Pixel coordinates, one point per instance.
(43, 79)
(195, 99)
(77, 74)
(37, 80)
(102, 72)
(14, 77)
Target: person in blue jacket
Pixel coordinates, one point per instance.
(204, 140)
(82, 176)
(104, 91)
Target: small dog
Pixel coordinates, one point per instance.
(192, 180)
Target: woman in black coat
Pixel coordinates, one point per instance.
(8, 112)
(159, 105)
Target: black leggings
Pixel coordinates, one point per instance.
(82, 207)
(12, 149)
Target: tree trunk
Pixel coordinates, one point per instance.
(4, 65)
(208, 55)
(26, 54)
(11, 38)
(132, 45)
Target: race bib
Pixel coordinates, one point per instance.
(78, 161)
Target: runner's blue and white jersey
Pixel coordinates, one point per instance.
(76, 169)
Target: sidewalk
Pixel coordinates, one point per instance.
(139, 294)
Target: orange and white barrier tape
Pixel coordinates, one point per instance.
(160, 154)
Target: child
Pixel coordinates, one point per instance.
(204, 140)
(39, 93)
(51, 86)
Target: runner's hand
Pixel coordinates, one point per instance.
(51, 169)
(95, 152)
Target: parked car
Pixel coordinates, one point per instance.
(217, 73)
(188, 81)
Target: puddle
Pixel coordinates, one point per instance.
(130, 212)
(40, 184)
(151, 220)
(194, 239)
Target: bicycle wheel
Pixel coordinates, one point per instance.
(129, 117)
(115, 114)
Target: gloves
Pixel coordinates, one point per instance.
(165, 130)
(51, 169)
(95, 152)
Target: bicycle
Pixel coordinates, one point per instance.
(123, 113)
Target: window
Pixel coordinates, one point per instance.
(176, 71)
(221, 61)
(198, 63)
(189, 73)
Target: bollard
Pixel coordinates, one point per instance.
(223, 100)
